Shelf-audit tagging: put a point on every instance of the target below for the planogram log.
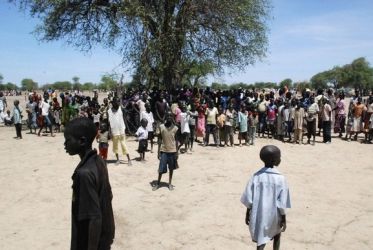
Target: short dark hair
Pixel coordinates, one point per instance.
(82, 127)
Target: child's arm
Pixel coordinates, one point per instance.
(94, 229)
(283, 223)
(247, 218)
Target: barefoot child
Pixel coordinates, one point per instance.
(142, 134)
(92, 214)
(266, 197)
(167, 151)
(103, 140)
(148, 115)
(17, 119)
(118, 128)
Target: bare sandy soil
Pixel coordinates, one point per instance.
(330, 186)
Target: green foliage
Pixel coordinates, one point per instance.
(62, 85)
(286, 82)
(160, 39)
(29, 84)
(8, 86)
(301, 86)
(88, 86)
(221, 86)
(108, 82)
(358, 75)
(1, 78)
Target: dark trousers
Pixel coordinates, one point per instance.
(191, 136)
(327, 127)
(262, 123)
(211, 129)
(311, 128)
(18, 129)
(228, 134)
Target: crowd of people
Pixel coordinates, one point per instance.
(176, 120)
(199, 113)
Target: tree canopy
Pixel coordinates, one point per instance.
(161, 39)
(358, 74)
(29, 84)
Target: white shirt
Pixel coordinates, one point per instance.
(44, 108)
(142, 133)
(149, 117)
(96, 118)
(267, 195)
(184, 122)
(116, 122)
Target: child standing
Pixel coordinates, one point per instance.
(184, 128)
(92, 213)
(148, 115)
(118, 128)
(103, 140)
(242, 121)
(266, 198)
(142, 134)
(220, 121)
(167, 152)
(17, 119)
(192, 125)
(253, 124)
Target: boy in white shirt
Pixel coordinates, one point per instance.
(142, 134)
(266, 197)
(148, 115)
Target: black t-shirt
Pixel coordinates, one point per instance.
(91, 200)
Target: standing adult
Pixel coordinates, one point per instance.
(3, 105)
(340, 120)
(118, 128)
(211, 128)
(357, 110)
(327, 121)
(312, 112)
(44, 107)
(31, 114)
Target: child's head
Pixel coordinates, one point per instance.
(16, 103)
(79, 135)
(270, 155)
(147, 107)
(8, 112)
(103, 127)
(144, 122)
(183, 108)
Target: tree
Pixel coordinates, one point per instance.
(286, 82)
(1, 78)
(64, 85)
(10, 86)
(301, 86)
(108, 82)
(88, 86)
(158, 38)
(359, 75)
(29, 84)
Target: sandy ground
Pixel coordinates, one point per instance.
(330, 185)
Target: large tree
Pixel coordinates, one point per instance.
(160, 38)
(29, 84)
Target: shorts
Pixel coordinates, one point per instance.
(167, 160)
(47, 121)
(150, 135)
(143, 146)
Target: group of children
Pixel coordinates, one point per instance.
(266, 195)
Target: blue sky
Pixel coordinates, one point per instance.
(305, 37)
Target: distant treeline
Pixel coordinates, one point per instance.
(356, 75)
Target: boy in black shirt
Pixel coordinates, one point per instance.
(92, 214)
